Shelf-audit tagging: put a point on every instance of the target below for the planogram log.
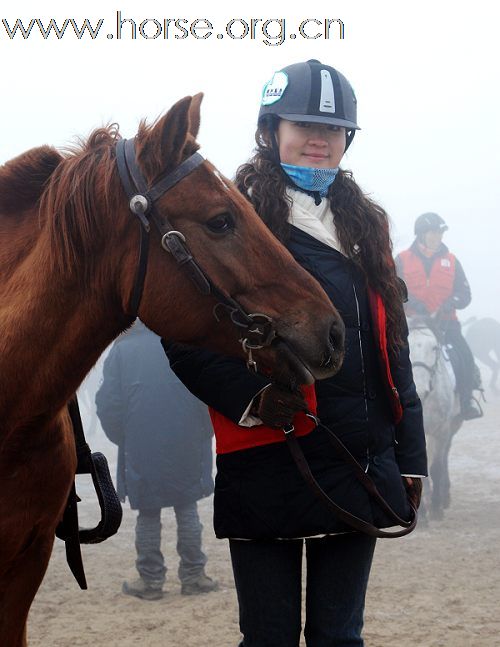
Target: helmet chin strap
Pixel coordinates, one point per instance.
(275, 145)
(313, 194)
(349, 137)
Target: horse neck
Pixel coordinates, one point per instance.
(53, 332)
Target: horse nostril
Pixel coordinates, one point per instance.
(327, 360)
(336, 336)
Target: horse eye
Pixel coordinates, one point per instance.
(221, 224)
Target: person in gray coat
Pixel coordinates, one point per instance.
(164, 438)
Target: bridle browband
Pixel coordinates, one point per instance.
(257, 329)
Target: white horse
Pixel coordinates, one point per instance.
(435, 384)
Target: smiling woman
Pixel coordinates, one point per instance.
(306, 122)
(311, 145)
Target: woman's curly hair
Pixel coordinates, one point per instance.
(362, 225)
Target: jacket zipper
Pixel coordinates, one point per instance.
(362, 369)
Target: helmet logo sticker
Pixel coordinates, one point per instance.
(327, 97)
(274, 89)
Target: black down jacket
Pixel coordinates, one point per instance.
(259, 492)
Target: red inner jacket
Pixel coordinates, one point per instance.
(231, 437)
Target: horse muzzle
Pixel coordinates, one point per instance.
(302, 359)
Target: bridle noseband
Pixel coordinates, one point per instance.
(257, 329)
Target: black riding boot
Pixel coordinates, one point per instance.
(470, 408)
(462, 361)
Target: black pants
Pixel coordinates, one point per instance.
(463, 365)
(268, 577)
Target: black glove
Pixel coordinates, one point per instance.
(414, 491)
(278, 405)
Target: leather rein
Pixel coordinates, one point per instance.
(347, 517)
(257, 329)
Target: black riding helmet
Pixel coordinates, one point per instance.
(311, 92)
(428, 222)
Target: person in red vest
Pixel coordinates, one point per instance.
(437, 286)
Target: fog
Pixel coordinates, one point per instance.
(425, 75)
(427, 83)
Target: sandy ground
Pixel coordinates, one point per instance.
(438, 587)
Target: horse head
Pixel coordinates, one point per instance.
(425, 352)
(240, 256)
(219, 229)
(69, 259)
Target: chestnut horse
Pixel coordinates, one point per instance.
(69, 250)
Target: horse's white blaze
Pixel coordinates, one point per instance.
(221, 179)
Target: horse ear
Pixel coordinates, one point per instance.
(160, 148)
(194, 114)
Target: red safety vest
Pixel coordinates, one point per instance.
(230, 437)
(432, 290)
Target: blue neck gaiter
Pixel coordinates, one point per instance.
(311, 179)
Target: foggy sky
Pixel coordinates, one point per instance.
(425, 75)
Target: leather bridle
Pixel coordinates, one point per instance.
(432, 370)
(257, 329)
(361, 475)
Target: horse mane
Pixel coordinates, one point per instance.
(70, 189)
(74, 197)
(23, 179)
(424, 323)
(70, 199)
(418, 322)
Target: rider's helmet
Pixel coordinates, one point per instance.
(310, 91)
(429, 222)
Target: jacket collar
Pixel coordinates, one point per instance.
(442, 251)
